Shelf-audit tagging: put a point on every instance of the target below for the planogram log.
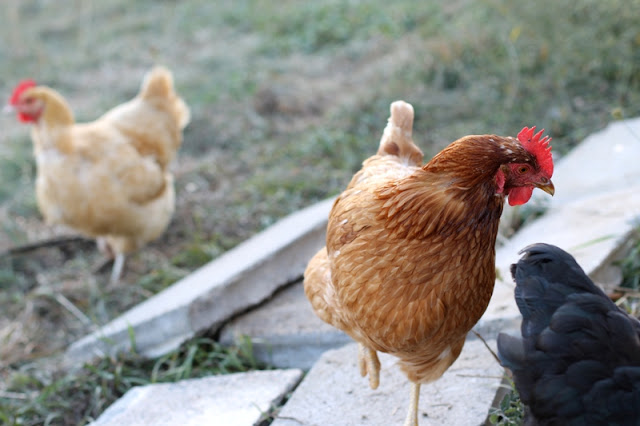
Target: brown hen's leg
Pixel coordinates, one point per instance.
(369, 364)
(412, 415)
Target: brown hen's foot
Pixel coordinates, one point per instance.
(369, 364)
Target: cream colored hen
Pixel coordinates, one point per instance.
(109, 178)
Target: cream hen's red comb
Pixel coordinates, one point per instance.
(20, 88)
(538, 147)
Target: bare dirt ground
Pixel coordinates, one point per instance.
(286, 102)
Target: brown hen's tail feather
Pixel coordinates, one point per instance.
(397, 137)
(159, 83)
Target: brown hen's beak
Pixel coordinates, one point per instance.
(547, 187)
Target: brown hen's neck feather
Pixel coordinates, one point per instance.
(473, 159)
(454, 192)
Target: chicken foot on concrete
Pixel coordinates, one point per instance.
(369, 364)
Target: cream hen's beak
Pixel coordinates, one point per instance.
(8, 109)
(546, 186)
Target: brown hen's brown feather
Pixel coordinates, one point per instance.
(409, 265)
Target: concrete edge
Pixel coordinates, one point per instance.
(237, 280)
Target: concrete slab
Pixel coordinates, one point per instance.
(605, 161)
(239, 399)
(285, 331)
(237, 280)
(333, 393)
(593, 230)
(593, 214)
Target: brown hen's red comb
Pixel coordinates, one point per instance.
(20, 88)
(538, 147)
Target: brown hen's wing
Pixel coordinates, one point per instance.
(320, 292)
(397, 156)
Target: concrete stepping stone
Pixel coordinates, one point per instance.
(240, 399)
(334, 393)
(284, 331)
(604, 161)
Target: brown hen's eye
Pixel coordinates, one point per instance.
(523, 169)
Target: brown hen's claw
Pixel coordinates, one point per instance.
(369, 363)
(362, 364)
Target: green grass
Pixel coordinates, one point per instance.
(630, 266)
(510, 412)
(17, 194)
(326, 25)
(36, 397)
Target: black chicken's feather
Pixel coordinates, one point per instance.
(578, 361)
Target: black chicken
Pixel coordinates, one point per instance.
(578, 361)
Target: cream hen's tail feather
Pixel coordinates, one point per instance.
(397, 137)
(158, 82)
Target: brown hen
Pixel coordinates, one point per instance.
(409, 265)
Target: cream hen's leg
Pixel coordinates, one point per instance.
(369, 364)
(118, 264)
(412, 415)
(104, 247)
(118, 259)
